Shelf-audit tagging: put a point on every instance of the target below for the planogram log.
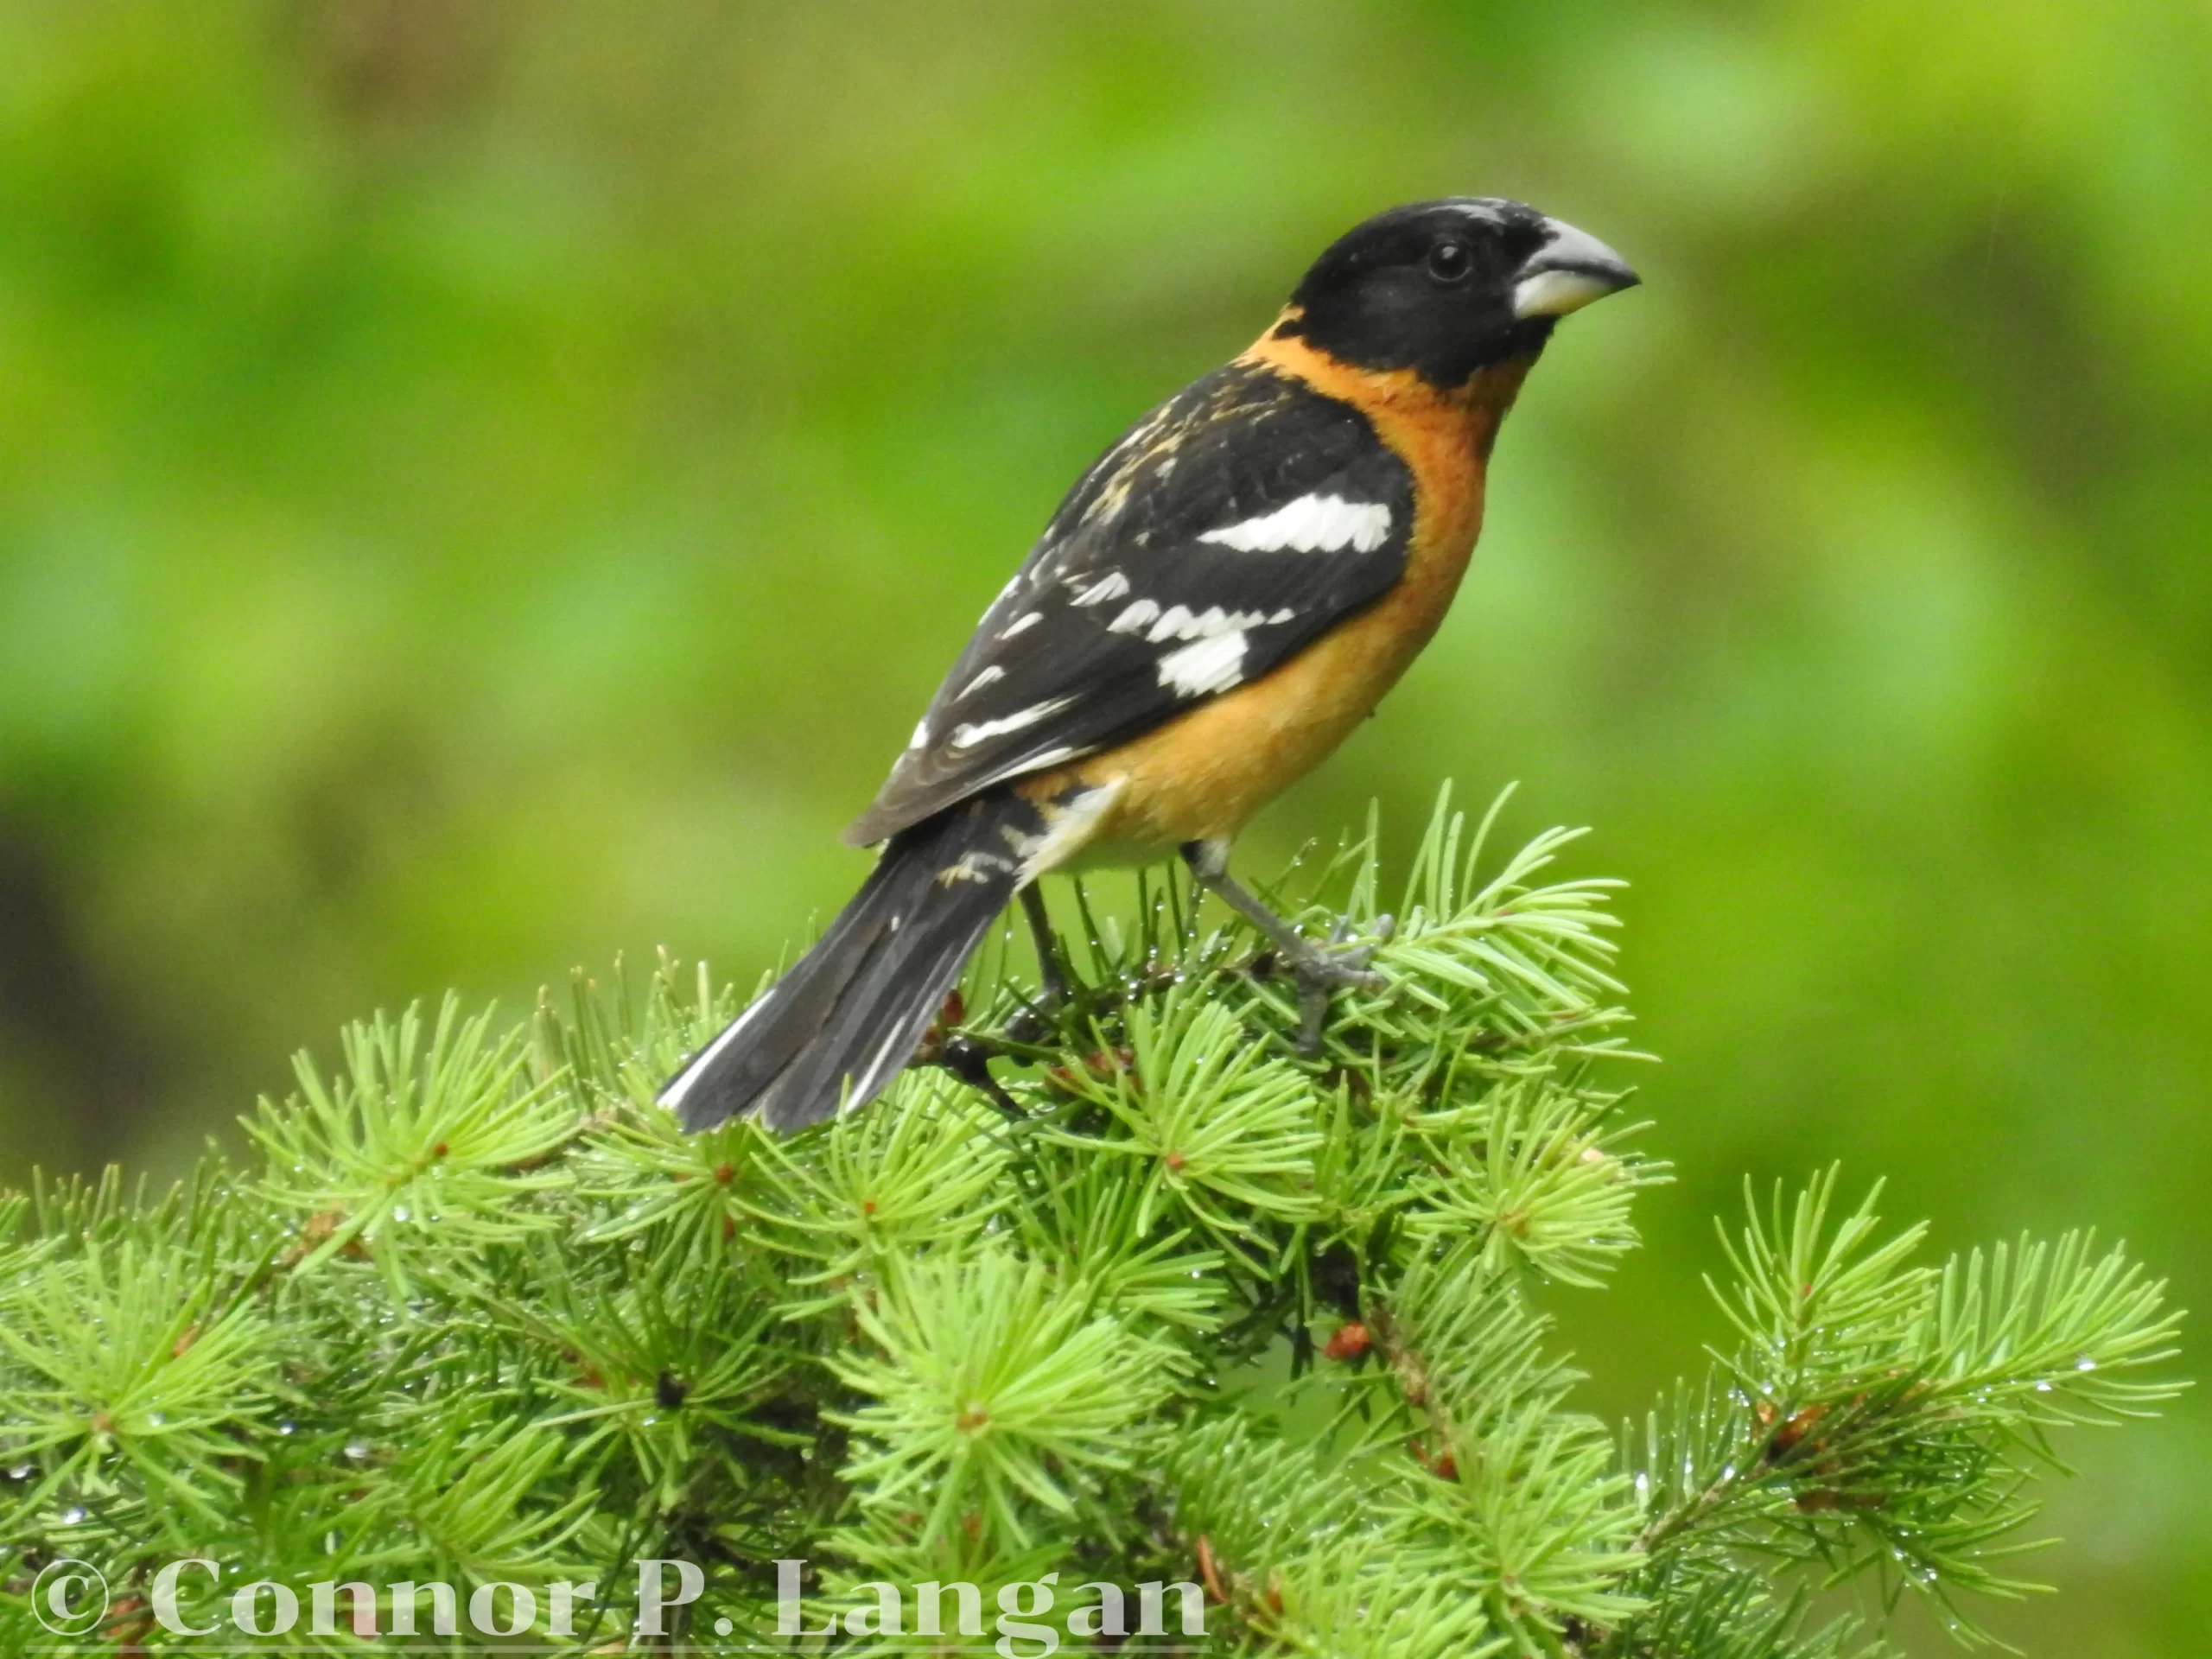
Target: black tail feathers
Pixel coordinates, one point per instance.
(848, 1015)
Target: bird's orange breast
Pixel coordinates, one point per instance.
(1201, 775)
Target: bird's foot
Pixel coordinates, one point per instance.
(1322, 970)
(971, 1061)
(1034, 1021)
(1039, 1017)
(1052, 984)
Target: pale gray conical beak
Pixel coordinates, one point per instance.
(1572, 269)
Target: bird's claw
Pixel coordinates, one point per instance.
(1322, 970)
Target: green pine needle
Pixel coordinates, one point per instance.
(1173, 1303)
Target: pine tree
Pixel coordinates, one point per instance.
(1124, 1291)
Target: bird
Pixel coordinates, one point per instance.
(1223, 596)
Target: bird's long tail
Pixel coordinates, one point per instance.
(839, 1025)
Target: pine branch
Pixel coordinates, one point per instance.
(1880, 1415)
(1128, 1290)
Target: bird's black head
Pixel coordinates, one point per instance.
(1448, 287)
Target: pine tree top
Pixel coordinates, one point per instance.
(1124, 1291)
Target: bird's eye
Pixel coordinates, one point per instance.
(1448, 262)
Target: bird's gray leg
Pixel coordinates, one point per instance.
(1321, 971)
(1051, 979)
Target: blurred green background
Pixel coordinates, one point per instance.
(484, 487)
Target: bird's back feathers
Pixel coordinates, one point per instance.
(1233, 526)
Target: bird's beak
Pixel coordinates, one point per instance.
(1572, 269)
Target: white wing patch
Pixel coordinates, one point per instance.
(1134, 617)
(1011, 587)
(921, 737)
(981, 731)
(1180, 624)
(1112, 585)
(987, 678)
(1213, 663)
(1176, 622)
(1022, 624)
(1311, 523)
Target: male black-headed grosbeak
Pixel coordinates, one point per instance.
(1223, 596)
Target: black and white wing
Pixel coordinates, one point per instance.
(1236, 523)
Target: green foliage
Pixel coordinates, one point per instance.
(1174, 1306)
(1879, 1415)
(415, 1143)
(989, 1385)
(486, 487)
